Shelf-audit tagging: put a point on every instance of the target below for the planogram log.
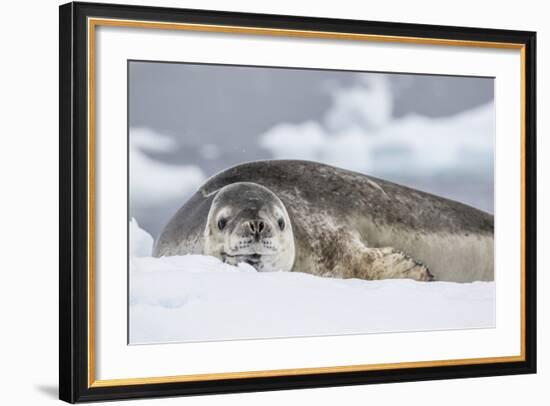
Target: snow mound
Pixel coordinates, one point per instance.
(199, 298)
(141, 242)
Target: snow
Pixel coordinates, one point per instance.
(199, 298)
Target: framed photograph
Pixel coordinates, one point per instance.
(257, 202)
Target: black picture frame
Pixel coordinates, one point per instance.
(74, 199)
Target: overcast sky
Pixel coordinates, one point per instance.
(217, 116)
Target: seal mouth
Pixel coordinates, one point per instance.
(254, 259)
(248, 255)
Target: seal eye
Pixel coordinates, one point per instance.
(221, 223)
(281, 223)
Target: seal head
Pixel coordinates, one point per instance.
(248, 223)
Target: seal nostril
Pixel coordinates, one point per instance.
(256, 226)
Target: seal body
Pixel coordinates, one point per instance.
(336, 223)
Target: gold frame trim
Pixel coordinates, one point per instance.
(94, 22)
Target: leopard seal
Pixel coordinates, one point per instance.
(302, 216)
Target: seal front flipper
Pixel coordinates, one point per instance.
(352, 258)
(389, 263)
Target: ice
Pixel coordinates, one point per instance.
(358, 133)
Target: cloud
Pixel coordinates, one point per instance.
(359, 133)
(153, 182)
